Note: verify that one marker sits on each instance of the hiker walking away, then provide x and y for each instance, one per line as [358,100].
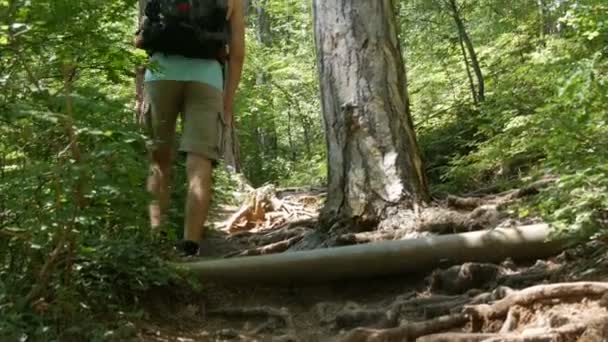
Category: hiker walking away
[190,41]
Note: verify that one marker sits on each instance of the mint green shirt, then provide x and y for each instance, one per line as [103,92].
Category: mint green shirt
[178,68]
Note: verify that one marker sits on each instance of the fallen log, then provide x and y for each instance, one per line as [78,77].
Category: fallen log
[382,258]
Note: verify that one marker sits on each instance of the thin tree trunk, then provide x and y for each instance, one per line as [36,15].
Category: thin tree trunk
[462,32]
[468,69]
[373,156]
[268,136]
[231,149]
[139,75]
[73,146]
[542,18]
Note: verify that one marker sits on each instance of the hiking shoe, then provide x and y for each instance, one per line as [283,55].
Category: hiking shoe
[187,248]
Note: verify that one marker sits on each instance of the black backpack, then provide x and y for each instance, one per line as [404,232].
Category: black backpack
[190,28]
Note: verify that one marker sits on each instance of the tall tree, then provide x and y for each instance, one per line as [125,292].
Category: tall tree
[466,39]
[373,155]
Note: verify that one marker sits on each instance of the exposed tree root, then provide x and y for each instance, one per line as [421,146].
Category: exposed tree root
[277,247]
[352,317]
[512,320]
[459,279]
[462,278]
[445,221]
[366,237]
[564,333]
[536,293]
[408,332]
[498,200]
[509,304]
[263,311]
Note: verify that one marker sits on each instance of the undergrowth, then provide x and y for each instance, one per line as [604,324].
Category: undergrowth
[546,115]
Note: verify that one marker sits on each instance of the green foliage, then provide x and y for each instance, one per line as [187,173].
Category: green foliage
[578,204]
[545,111]
[75,248]
[278,119]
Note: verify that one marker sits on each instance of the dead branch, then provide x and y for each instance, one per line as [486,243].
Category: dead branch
[262,210]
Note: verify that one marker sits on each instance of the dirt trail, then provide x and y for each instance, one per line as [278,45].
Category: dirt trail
[470,302]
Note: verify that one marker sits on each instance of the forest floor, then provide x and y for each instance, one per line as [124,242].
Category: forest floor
[562,298]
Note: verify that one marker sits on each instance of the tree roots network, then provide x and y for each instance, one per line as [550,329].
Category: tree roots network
[272,220]
[467,302]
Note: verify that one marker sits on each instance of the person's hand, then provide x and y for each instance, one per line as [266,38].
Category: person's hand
[230,7]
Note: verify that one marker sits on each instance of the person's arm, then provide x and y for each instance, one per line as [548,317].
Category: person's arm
[236,57]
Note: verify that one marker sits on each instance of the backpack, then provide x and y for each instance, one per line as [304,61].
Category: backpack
[190,28]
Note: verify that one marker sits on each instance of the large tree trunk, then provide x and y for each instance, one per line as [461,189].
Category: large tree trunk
[373,155]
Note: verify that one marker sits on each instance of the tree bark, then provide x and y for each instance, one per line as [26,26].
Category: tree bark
[373,156]
[464,36]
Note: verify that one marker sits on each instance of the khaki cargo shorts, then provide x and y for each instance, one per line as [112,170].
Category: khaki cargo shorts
[203,121]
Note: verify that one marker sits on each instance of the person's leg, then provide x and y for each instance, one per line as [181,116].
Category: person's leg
[202,138]
[164,99]
[198,199]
